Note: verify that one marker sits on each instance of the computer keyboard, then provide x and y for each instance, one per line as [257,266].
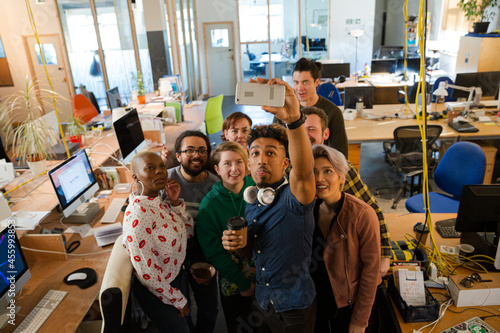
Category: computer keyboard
[41,312]
[446,228]
[113,210]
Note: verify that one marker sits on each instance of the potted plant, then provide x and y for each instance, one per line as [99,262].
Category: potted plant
[476,11]
[29,134]
[76,130]
[141,97]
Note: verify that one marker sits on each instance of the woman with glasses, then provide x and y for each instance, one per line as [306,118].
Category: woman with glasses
[346,249]
[155,234]
[224,201]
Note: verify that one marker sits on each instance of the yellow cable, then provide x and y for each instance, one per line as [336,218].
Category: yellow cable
[26,182]
[42,56]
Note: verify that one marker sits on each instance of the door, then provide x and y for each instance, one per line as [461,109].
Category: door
[56,68]
[219,43]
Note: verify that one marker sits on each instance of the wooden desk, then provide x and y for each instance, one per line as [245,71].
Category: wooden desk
[386,90]
[49,270]
[398,225]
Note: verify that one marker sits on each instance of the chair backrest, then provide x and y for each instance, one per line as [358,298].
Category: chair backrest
[213,114]
[115,288]
[409,145]
[336,97]
[325,89]
[462,164]
[449,89]
[413,92]
[83,108]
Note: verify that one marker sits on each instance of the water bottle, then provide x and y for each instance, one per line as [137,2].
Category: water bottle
[359,107]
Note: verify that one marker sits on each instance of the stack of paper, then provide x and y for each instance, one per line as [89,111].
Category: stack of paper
[107,234]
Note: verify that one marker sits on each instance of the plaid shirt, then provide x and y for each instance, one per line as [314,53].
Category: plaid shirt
[355,186]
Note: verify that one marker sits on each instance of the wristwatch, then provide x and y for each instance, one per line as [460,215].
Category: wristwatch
[297,123]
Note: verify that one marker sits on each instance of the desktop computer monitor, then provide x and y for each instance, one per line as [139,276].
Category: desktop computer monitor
[129,134]
[14,271]
[354,94]
[74,182]
[114,99]
[478,218]
[487,81]
[384,66]
[412,66]
[330,71]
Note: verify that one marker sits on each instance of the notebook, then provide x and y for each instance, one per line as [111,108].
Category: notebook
[463,127]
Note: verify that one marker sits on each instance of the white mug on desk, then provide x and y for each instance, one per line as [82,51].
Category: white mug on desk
[465,250]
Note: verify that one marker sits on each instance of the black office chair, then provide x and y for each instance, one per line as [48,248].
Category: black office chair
[412,93]
[3,153]
[407,157]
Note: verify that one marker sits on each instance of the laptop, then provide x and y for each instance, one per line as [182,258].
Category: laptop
[463,127]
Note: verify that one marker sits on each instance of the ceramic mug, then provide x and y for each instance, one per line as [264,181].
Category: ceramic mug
[465,250]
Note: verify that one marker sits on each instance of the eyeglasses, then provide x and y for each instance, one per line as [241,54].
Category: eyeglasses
[468,281]
[190,152]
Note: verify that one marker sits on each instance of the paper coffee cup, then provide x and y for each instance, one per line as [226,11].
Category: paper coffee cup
[421,232]
[239,224]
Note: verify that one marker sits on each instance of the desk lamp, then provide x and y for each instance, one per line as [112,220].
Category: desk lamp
[441,91]
[356,33]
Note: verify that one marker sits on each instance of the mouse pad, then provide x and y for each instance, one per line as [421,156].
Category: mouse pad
[90,280]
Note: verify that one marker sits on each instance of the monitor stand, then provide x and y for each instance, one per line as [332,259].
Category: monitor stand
[8,314]
[85,213]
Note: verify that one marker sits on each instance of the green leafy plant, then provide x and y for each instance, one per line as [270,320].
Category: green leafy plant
[75,127]
[140,84]
[476,10]
[19,114]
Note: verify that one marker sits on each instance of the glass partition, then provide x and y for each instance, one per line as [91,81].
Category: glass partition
[142,44]
[116,39]
[81,43]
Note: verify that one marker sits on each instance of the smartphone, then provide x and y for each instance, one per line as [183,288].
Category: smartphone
[260,94]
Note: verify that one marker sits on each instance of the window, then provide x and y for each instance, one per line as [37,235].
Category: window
[220,38]
[49,54]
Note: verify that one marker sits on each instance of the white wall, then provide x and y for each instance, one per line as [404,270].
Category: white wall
[216,11]
[14,23]
[342,45]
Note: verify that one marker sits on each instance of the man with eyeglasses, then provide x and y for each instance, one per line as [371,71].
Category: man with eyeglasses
[192,149]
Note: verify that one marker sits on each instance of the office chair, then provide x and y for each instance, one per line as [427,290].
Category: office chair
[3,153]
[330,92]
[412,94]
[462,164]
[257,67]
[213,115]
[115,291]
[408,157]
[83,108]
[449,89]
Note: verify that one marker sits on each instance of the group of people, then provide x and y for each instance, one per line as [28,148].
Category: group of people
[317,240]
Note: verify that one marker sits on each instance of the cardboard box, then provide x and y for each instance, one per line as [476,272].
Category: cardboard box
[480,294]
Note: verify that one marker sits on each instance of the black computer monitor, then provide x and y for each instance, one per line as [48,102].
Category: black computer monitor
[315,44]
[487,81]
[114,99]
[478,218]
[14,271]
[412,66]
[129,134]
[331,71]
[385,52]
[354,94]
[384,66]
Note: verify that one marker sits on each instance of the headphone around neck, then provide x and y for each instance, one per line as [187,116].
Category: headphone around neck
[265,196]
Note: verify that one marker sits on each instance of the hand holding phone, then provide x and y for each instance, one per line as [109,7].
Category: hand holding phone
[249,93]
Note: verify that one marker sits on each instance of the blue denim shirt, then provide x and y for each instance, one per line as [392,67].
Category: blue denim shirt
[281,238]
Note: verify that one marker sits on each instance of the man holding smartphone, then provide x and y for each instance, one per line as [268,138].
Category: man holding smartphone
[280,218]
[306,76]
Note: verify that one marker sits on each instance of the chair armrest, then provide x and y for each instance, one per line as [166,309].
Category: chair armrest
[117,277]
[387,145]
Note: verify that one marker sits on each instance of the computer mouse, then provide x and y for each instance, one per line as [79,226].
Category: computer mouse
[77,276]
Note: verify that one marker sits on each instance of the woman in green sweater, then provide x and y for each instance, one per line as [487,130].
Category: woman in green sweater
[225,200]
